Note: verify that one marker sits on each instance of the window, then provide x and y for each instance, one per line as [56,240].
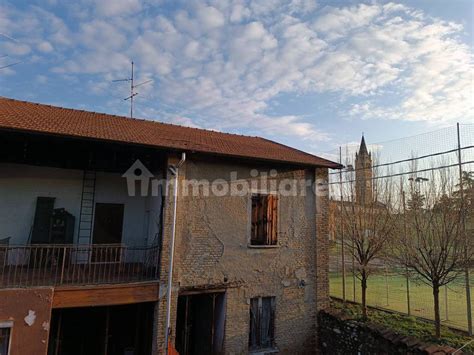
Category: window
[264,219]
[5,329]
[262,323]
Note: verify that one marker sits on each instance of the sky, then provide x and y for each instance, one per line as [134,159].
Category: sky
[309,74]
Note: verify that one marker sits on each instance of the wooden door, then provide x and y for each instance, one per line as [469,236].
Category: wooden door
[108,223]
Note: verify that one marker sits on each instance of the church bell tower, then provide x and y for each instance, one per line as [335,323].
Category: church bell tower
[363,166]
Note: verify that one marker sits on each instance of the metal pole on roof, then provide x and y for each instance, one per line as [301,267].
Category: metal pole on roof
[131,93]
[132,88]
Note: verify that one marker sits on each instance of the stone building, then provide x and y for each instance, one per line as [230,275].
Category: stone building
[87,223]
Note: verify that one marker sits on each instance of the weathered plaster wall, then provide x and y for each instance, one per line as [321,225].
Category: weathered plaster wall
[212,250]
[30,312]
[20,185]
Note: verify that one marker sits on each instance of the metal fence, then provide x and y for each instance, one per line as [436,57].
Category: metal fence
[411,165]
[75,264]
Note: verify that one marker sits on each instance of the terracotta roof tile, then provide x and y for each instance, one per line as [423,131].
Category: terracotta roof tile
[28,116]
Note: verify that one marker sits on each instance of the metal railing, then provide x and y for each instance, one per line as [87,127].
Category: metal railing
[71,264]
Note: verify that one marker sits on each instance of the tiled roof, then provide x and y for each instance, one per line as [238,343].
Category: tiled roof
[39,118]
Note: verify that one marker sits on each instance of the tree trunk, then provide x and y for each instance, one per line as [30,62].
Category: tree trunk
[436,311]
[363,284]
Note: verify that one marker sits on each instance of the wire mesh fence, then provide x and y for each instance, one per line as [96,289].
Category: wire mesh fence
[379,204]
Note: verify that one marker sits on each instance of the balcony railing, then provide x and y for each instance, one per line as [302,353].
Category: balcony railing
[71,264]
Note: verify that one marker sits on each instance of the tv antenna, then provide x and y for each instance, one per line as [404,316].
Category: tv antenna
[132,88]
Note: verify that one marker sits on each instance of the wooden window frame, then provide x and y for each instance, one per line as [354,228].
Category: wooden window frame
[256,342]
[264,222]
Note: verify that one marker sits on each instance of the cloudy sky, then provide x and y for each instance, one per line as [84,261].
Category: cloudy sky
[311,74]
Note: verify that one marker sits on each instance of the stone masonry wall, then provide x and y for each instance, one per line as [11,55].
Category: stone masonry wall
[341,335]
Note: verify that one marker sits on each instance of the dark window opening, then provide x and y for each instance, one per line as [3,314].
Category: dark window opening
[4,341]
[262,323]
[264,219]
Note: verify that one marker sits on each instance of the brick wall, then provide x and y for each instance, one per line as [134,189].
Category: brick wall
[212,251]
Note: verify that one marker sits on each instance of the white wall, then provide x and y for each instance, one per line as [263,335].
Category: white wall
[20,185]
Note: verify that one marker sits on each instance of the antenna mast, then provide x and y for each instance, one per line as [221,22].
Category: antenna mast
[132,94]
[132,88]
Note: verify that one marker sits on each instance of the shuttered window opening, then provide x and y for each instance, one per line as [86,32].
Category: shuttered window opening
[262,323]
[264,219]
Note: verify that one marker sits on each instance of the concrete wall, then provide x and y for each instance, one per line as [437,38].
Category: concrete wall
[29,311]
[212,251]
[20,185]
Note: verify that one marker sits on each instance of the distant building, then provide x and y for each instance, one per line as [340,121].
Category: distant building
[364,174]
[364,193]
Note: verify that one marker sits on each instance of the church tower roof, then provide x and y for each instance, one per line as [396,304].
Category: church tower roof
[363,147]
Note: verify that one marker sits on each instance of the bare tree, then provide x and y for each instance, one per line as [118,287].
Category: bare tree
[370,225]
[432,244]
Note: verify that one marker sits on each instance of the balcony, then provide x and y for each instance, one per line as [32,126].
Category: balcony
[74,265]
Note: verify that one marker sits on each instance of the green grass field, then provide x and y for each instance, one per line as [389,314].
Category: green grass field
[390,293]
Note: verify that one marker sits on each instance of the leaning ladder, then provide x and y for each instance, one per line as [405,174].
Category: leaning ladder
[87,207]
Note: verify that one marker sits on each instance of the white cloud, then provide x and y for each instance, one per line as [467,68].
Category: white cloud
[99,34]
[41,79]
[117,7]
[183,121]
[209,16]
[45,47]
[302,6]
[224,62]
[239,13]
[15,48]
[337,21]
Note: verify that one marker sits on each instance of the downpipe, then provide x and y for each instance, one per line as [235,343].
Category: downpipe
[174,170]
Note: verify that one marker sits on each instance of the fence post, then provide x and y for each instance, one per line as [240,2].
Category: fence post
[353,274]
[406,267]
[408,292]
[446,301]
[463,230]
[62,266]
[352,201]
[343,261]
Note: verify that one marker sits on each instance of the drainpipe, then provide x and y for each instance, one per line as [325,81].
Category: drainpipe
[174,170]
